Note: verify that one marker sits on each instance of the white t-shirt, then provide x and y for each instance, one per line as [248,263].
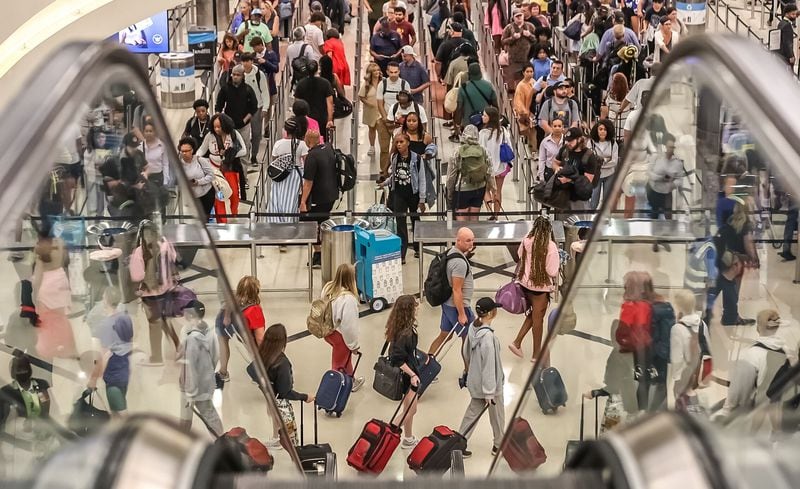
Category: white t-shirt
[387,91]
[315,39]
[400,3]
[391,114]
[634,96]
[284,147]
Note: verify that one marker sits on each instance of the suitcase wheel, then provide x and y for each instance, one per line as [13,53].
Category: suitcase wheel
[378,304]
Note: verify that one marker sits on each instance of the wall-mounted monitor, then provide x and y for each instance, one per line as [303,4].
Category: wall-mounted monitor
[151,35]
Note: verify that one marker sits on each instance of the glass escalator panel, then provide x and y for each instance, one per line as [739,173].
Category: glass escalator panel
[114,294]
[683,298]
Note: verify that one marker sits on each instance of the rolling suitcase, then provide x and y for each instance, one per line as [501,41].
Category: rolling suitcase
[316,457]
[375,445]
[572,445]
[335,389]
[550,390]
[429,366]
[432,455]
[522,451]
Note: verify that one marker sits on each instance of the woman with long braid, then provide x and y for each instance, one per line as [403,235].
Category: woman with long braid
[536,273]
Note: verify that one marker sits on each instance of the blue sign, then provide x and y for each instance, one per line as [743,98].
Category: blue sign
[151,35]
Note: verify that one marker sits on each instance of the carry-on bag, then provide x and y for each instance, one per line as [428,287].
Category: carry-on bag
[315,457]
[335,389]
[550,390]
[388,380]
[254,454]
[572,445]
[377,442]
[522,451]
[381,219]
[429,365]
[433,453]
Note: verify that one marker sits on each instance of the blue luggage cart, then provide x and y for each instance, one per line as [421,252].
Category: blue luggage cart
[379,270]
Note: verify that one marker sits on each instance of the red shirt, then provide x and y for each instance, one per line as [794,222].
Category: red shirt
[254,317]
[405,30]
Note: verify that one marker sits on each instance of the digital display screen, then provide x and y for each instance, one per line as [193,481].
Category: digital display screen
[151,35]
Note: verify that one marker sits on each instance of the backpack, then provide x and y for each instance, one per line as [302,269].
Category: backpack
[547,104]
[285,9]
[473,163]
[254,455]
[396,107]
[320,321]
[403,86]
[300,66]
[345,170]
[437,288]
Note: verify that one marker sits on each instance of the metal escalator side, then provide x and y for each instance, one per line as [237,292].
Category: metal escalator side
[707,84]
[89,93]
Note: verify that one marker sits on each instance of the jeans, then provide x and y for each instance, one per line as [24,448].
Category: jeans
[659,203]
[605,185]
[402,202]
[730,298]
[789,229]
[256,132]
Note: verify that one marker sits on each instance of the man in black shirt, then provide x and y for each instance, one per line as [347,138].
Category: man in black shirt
[318,93]
[238,101]
[197,126]
[320,189]
[576,165]
[448,47]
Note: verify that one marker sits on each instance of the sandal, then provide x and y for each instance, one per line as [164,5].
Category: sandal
[516,351]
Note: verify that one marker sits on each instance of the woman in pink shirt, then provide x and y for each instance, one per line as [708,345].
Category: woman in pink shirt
[537,272]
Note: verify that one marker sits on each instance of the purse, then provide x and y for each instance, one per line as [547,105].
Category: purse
[506,151]
[451,98]
[282,165]
[502,58]
[221,185]
[85,418]
[341,107]
[388,380]
[511,297]
[573,30]
[177,299]
[548,194]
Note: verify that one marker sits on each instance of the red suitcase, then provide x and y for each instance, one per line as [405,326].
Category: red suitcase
[376,444]
[522,451]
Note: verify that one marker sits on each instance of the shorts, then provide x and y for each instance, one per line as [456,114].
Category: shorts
[116,397]
[154,306]
[323,210]
[73,170]
[450,318]
[470,198]
[222,330]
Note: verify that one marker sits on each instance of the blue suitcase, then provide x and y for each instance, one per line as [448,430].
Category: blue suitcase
[334,390]
[428,370]
[550,390]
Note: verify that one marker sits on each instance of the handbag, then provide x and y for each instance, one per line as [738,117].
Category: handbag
[282,166]
[177,299]
[451,98]
[388,380]
[511,297]
[573,30]
[502,58]
[506,151]
[341,107]
[221,186]
[548,194]
[85,418]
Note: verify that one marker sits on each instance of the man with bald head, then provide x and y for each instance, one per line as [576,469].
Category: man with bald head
[456,311]
[320,190]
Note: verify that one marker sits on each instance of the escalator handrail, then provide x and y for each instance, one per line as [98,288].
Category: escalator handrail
[50,101]
[776,127]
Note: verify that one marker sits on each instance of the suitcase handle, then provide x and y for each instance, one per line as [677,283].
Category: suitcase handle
[358,360]
[478,418]
[302,424]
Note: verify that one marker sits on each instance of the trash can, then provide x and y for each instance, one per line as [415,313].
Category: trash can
[177,80]
[572,231]
[115,272]
[338,235]
[203,43]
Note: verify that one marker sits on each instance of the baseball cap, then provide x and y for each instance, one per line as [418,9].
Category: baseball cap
[409,50]
[198,307]
[572,134]
[456,27]
[131,140]
[485,305]
[516,11]
[257,11]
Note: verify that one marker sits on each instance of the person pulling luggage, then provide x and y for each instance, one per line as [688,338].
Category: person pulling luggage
[484,373]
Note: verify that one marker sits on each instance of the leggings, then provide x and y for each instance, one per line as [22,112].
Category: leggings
[232,178]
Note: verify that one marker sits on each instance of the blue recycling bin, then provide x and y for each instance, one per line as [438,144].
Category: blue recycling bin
[379,268]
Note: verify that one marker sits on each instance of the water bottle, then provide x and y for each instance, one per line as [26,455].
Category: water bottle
[220,196]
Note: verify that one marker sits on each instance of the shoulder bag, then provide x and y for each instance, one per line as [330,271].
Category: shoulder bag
[282,165]
[388,380]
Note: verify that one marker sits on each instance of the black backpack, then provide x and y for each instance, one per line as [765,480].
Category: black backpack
[437,289]
[345,171]
[300,66]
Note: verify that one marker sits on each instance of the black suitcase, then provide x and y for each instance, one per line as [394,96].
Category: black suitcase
[317,459]
[550,390]
[572,445]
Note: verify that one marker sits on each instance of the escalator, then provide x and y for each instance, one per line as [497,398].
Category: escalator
[706,82]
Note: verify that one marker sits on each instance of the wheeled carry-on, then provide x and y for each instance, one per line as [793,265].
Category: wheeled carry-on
[433,454]
[572,445]
[550,390]
[335,389]
[376,444]
[379,268]
[522,451]
[317,459]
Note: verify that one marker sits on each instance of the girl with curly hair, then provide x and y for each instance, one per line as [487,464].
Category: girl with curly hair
[401,333]
[536,273]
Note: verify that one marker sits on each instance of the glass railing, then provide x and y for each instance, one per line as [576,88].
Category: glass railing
[681,297]
[112,281]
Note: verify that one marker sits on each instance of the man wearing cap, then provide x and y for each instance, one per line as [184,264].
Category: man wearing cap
[517,39]
[448,47]
[484,374]
[254,27]
[575,161]
[559,106]
[786,26]
[404,106]
[385,46]
[412,71]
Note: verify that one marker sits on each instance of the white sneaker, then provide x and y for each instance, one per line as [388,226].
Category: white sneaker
[409,443]
[371,151]
[357,383]
[274,444]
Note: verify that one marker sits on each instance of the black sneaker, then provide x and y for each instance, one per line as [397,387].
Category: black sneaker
[316,260]
[494,451]
[787,256]
[741,322]
[466,453]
